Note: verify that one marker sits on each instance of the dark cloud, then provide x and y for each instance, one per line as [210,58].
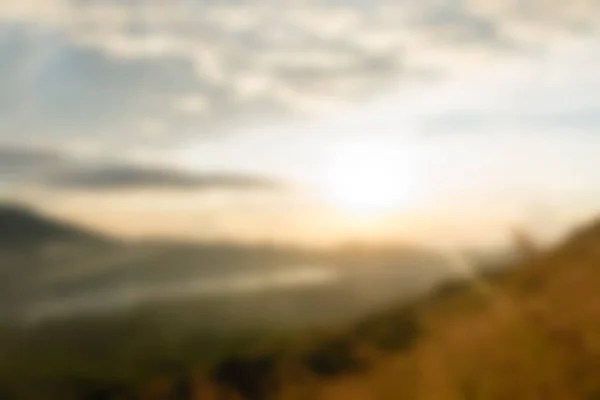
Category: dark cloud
[19,163]
[17,157]
[124,177]
[53,169]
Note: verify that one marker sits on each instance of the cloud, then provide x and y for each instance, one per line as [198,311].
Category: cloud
[52,169]
[18,163]
[128,177]
[17,157]
[54,88]
[559,95]
[100,68]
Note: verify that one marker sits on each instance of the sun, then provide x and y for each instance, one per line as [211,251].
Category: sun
[367,178]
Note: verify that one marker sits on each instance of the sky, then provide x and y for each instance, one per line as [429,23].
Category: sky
[312,121]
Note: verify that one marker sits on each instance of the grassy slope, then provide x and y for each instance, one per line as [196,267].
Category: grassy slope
[529,333]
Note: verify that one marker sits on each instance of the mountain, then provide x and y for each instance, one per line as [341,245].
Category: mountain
[50,269]
[531,331]
[22,227]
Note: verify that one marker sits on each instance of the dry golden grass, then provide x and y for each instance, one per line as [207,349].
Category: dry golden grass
[533,334]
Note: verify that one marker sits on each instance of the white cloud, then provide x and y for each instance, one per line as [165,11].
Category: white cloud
[99,66]
[53,87]
[192,104]
[49,11]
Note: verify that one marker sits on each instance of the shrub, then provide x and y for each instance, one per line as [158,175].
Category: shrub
[250,377]
[395,331]
[333,357]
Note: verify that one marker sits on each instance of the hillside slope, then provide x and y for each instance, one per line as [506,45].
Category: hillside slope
[528,332]
[532,332]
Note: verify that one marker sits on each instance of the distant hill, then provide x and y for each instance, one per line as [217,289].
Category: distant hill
[22,227]
[49,268]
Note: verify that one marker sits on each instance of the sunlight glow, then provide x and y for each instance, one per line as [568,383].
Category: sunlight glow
[368,178]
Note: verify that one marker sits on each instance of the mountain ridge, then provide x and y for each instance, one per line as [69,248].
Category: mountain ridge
[21,226]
